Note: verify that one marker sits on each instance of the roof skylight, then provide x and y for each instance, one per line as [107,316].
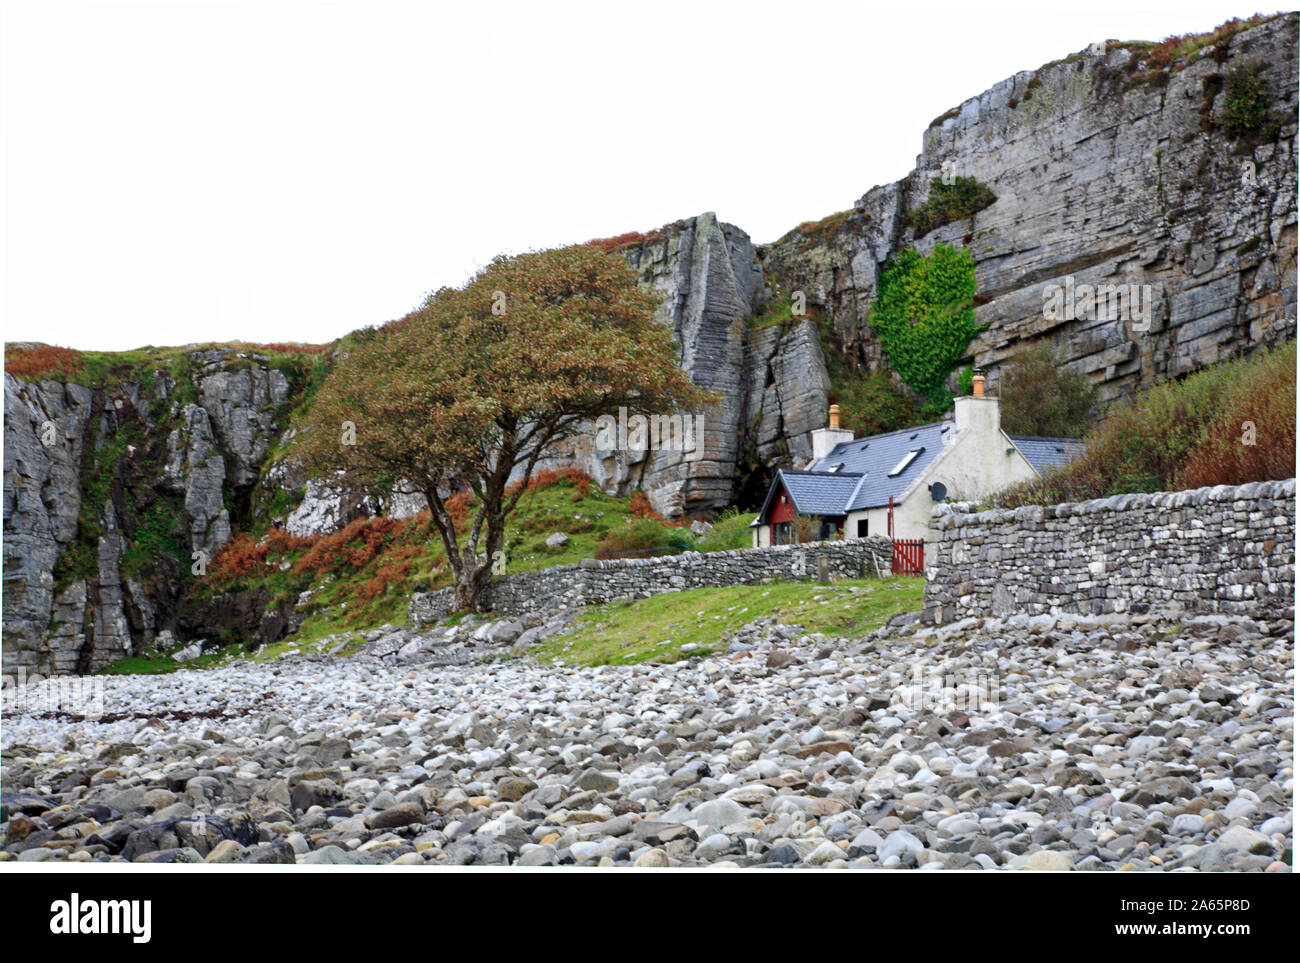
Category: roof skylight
[907,460]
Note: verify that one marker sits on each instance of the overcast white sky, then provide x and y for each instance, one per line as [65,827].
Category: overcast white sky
[290,171]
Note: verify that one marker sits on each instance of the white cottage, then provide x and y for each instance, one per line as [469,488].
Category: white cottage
[888,484]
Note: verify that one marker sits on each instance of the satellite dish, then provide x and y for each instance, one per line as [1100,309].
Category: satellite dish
[938,491]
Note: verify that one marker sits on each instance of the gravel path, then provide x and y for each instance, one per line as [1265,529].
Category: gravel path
[1140,744]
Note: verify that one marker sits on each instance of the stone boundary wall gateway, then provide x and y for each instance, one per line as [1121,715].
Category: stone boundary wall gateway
[1227,549]
[603,580]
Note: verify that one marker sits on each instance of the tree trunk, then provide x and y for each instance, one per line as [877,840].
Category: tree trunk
[472,575]
[471,580]
[470,571]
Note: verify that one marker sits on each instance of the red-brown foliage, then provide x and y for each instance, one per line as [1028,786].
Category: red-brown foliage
[1253,439]
[634,238]
[458,508]
[278,540]
[239,557]
[394,569]
[611,244]
[385,548]
[580,479]
[44,359]
[570,476]
[332,553]
[638,506]
[243,555]
[549,478]
[1175,49]
[291,347]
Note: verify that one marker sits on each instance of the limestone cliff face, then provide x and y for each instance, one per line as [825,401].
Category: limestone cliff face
[770,383]
[42,500]
[110,492]
[1104,175]
[1107,173]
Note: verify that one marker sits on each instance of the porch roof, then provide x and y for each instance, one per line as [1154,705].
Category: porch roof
[813,492]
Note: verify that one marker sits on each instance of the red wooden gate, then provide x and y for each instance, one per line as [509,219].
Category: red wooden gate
[909,556]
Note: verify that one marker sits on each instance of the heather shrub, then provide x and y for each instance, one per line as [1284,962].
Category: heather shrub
[642,538]
[1183,434]
[1253,438]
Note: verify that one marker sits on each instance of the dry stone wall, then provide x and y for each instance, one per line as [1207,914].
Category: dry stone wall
[603,580]
[1227,549]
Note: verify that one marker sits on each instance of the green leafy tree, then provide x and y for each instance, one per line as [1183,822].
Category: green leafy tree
[1041,397]
[479,383]
[924,316]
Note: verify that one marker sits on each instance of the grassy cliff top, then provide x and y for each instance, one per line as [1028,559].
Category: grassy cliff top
[33,361]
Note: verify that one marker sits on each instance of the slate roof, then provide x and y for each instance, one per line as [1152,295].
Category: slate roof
[856,474]
[875,457]
[1045,453]
[814,492]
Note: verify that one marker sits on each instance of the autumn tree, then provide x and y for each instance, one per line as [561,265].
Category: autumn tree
[479,383]
[1040,397]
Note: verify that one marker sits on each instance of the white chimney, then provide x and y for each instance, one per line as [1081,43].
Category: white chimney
[824,440]
[977,411]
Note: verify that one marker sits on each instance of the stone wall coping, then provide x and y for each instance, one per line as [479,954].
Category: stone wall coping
[691,555]
[962,514]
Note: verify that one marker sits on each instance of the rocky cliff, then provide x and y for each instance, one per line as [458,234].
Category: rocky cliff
[1122,169]
[115,495]
[771,381]
[1125,164]
[1115,166]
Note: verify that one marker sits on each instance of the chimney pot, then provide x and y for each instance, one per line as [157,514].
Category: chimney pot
[835,416]
[977,384]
